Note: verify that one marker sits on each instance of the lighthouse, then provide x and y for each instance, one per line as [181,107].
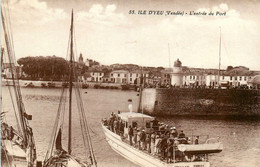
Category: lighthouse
[177,75]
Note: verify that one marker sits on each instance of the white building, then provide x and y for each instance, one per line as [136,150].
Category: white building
[134,77]
[119,76]
[194,79]
[96,75]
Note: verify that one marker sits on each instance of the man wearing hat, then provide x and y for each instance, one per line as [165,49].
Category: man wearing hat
[196,140]
[174,132]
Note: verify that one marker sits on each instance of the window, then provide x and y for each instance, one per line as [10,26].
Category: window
[230,77]
[118,75]
[240,78]
[111,75]
[125,75]
[136,75]
[235,78]
[130,79]
[93,73]
[131,75]
[245,78]
[190,77]
[100,74]
[223,77]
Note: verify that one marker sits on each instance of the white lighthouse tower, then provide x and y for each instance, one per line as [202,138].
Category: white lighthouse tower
[177,75]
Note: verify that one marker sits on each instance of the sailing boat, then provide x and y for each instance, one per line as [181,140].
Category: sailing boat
[17,144]
[56,155]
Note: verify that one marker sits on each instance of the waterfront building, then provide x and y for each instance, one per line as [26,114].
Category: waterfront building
[166,76]
[106,78]
[254,82]
[194,79]
[154,79]
[87,77]
[96,75]
[133,76]
[119,76]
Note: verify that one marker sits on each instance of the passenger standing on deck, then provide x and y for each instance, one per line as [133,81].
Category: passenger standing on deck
[182,138]
[148,142]
[175,145]
[153,135]
[174,132]
[157,144]
[138,139]
[142,139]
[196,140]
[169,150]
[135,136]
[115,126]
[181,135]
[111,122]
[131,134]
[163,146]
[122,127]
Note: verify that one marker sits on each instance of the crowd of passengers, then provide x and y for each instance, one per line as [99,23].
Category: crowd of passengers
[161,140]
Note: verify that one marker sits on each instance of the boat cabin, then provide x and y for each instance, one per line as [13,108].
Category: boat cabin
[138,120]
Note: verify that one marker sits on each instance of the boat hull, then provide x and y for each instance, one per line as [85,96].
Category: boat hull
[12,155]
[139,157]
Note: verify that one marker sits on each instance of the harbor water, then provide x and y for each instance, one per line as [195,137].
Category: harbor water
[241,138]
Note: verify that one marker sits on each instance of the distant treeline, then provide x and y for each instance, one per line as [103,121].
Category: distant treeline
[49,67]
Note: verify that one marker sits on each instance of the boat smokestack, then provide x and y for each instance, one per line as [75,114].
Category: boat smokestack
[130,105]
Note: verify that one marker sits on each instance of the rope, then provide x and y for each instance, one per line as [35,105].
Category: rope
[83,120]
[12,99]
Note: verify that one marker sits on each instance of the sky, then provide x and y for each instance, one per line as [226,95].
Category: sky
[106,32]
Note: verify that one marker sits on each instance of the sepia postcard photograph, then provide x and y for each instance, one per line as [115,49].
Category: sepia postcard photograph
[138,83]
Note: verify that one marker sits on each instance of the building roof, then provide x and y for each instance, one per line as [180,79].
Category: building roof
[167,70]
[255,80]
[126,115]
[119,71]
[239,71]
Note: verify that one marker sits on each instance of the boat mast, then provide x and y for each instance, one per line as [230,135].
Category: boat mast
[140,92]
[219,57]
[70,81]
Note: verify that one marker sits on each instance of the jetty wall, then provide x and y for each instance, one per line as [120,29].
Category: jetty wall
[201,102]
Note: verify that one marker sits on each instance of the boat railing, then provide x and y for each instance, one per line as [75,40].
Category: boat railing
[215,140]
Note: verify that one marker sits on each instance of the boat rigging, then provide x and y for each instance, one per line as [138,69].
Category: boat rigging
[56,155]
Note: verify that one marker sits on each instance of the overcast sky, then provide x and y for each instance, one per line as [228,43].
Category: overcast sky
[107,33]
